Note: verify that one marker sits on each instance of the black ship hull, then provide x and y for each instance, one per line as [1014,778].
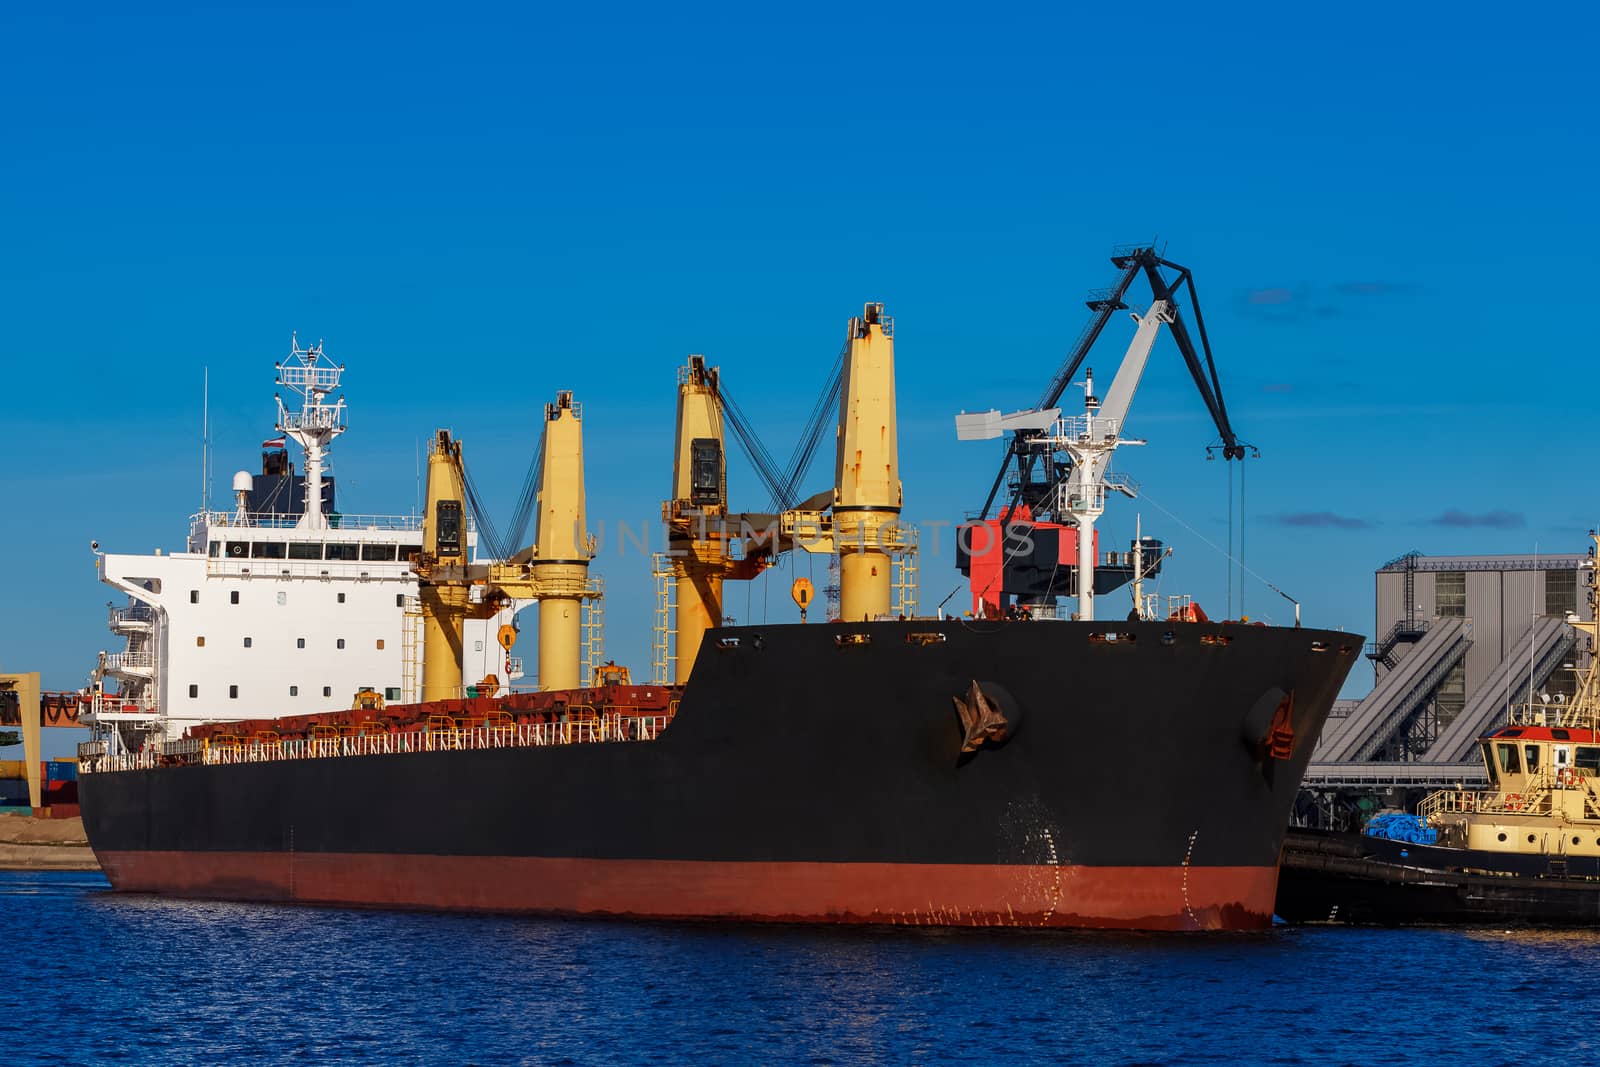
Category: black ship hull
[1350,878]
[811,773]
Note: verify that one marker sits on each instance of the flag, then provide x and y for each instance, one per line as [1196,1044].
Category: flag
[276,442]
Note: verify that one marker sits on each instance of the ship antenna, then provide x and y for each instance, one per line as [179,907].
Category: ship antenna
[312,376]
[205,440]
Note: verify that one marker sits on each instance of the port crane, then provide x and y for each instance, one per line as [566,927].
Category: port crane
[1058,466]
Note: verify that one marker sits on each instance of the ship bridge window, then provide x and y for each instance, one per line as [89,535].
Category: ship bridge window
[1587,759]
[238,549]
[1560,734]
[305,550]
[1488,761]
[214,549]
[1531,754]
[268,549]
[407,551]
[1508,759]
[378,553]
[335,550]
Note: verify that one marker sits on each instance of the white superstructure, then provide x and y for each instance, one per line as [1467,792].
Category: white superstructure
[269,613]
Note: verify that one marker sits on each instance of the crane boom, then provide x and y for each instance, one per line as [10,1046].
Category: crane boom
[1034,491]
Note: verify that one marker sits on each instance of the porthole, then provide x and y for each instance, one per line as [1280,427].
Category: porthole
[1574,839]
[1530,839]
[1502,837]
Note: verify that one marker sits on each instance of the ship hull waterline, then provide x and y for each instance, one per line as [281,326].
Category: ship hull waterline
[812,774]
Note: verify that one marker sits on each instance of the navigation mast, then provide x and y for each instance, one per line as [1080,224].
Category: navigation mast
[312,376]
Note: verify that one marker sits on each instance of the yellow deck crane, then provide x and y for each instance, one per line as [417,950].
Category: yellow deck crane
[858,519]
[864,525]
[553,571]
[700,533]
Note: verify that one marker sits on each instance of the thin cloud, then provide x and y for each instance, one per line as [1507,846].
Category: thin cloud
[1491,520]
[1282,303]
[1322,520]
[1375,288]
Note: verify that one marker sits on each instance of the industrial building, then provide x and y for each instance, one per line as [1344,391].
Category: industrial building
[1459,639]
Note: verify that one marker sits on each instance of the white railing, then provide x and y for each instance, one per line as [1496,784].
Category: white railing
[319,418]
[1086,428]
[274,520]
[135,615]
[130,661]
[612,727]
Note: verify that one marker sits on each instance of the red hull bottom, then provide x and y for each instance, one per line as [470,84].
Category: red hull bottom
[1131,898]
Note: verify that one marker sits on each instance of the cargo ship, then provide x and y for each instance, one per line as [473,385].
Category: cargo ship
[1019,765]
[1526,849]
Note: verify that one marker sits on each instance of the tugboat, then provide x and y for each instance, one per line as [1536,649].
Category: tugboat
[1524,850]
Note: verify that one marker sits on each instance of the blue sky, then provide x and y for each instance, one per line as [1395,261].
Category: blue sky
[1389,216]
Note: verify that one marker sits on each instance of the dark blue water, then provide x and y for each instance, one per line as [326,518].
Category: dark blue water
[92,977]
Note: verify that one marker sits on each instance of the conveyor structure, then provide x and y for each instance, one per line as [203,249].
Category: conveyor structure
[1398,694]
[1551,640]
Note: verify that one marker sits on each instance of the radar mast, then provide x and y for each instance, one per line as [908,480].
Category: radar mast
[312,377]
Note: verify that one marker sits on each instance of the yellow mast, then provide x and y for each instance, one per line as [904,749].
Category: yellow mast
[443,589]
[562,546]
[867,491]
[696,513]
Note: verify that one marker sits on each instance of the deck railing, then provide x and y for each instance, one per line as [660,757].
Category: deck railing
[1536,797]
[609,727]
[130,661]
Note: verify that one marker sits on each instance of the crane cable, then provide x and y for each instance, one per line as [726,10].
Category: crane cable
[487,532]
[526,499]
[765,466]
[805,448]
[783,485]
